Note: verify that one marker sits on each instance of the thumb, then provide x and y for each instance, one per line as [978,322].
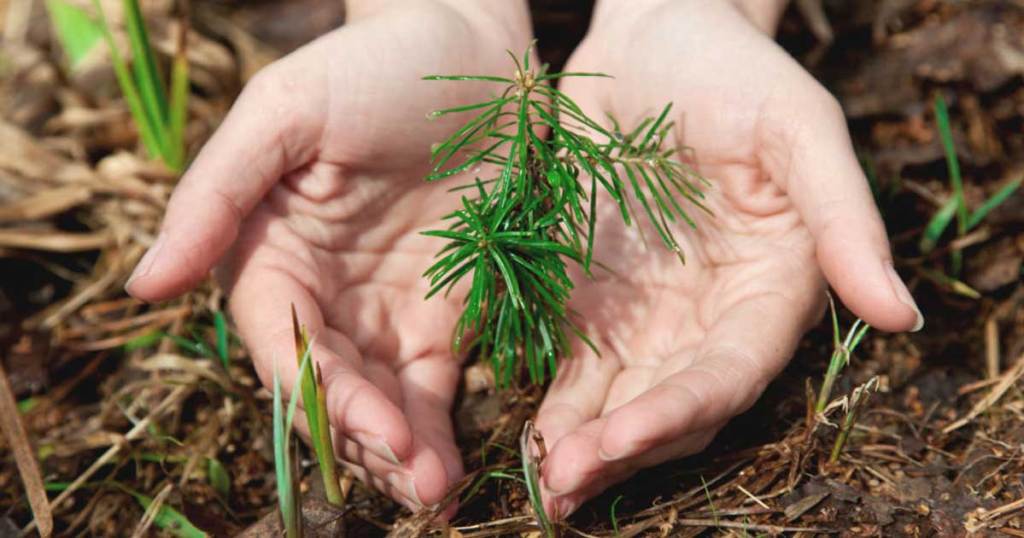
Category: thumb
[807,151]
[272,129]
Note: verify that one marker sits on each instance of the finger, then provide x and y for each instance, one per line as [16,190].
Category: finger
[807,150]
[260,303]
[573,462]
[744,349]
[577,393]
[269,131]
[428,387]
[381,484]
[414,483]
[565,491]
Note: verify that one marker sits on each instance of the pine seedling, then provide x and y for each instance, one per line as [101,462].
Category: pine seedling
[515,232]
[842,349]
[314,402]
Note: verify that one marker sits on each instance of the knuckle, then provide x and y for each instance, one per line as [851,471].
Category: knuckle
[823,103]
[267,82]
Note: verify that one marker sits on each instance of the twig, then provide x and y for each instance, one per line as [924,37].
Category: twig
[151,512]
[24,456]
[978,522]
[132,434]
[753,497]
[1006,381]
[992,347]
[770,529]
[16,20]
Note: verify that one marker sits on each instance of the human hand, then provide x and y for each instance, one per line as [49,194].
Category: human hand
[312,193]
[684,349]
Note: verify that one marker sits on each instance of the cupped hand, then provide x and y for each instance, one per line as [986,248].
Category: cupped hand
[685,348]
[311,193]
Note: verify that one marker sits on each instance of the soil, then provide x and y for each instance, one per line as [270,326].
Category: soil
[937,448]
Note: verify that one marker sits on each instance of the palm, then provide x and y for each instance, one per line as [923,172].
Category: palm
[354,259]
[654,313]
[337,205]
[353,218]
[685,348]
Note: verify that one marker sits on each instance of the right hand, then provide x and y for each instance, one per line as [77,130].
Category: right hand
[311,193]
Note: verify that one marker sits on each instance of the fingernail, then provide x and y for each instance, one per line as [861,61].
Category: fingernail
[146,263]
[377,445]
[613,456]
[903,294]
[564,508]
[406,485]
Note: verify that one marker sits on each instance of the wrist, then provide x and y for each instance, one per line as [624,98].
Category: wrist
[512,14]
[764,14]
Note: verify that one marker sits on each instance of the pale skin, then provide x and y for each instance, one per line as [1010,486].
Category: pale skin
[311,193]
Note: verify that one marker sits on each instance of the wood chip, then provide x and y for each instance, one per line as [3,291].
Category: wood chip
[799,508]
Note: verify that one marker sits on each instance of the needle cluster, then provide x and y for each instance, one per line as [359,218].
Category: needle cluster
[514,233]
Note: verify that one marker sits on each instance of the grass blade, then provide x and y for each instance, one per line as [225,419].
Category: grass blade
[325,446]
[531,473]
[286,494]
[77,32]
[168,518]
[220,326]
[129,90]
[179,101]
[937,225]
[993,202]
[314,400]
[953,163]
[219,477]
[147,77]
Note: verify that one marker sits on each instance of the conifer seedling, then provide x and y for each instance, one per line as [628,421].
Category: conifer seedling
[514,234]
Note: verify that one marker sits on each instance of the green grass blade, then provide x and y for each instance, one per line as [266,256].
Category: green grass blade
[993,202]
[130,91]
[952,163]
[314,402]
[937,225]
[282,464]
[143,341]
[77,32]
[325,446]
[307,383]
[531,474]
[219,477]
[178,109]
[613,516]
[144,65]
[168,518]
[220,326]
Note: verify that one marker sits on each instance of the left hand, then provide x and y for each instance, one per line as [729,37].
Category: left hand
[684,349]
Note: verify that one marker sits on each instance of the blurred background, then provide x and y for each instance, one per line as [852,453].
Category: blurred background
[146,420]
